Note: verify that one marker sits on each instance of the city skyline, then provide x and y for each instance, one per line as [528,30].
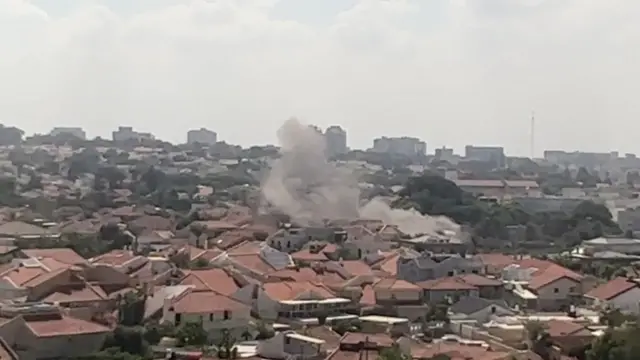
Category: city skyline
[448,72]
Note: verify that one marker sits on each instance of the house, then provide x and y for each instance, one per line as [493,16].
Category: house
[20,230]
[500,188]
[222,281]
[479,309]
[568,335]
[391,291]
[290,344]
[619,293]
[547,286]
[33,278]
[288,239]
[41,331]
[293,301]
[154,240]
[615,244]
[426,267]
[448,289]
[488,288]
[62,255]
[216,312]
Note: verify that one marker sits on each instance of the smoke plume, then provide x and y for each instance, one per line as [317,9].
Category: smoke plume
[304,185]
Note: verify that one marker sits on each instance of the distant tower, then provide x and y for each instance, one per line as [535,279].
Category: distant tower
[532,144]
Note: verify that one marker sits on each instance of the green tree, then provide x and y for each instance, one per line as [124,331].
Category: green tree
[191,333]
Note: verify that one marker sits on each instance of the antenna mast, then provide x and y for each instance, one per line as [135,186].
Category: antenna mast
[532,143]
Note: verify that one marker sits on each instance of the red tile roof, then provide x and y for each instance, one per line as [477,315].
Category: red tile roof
[550,275]
[448,283]
[217,280]
[356,267]
[289,290]
[307,255]
[205,302]
[63,255]
[64,326]
[611,289]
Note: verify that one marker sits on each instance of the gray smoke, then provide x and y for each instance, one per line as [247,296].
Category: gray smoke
[304,185]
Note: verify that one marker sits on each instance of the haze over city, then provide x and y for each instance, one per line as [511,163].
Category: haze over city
[427,69]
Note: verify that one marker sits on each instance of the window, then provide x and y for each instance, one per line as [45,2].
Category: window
[450,273]
[227,315]
[178,318]
[288,244]
[210,317]
[287,340]
[474,271]
[556,290]
[493,309]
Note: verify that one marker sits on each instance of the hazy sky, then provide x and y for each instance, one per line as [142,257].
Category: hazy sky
[452,72]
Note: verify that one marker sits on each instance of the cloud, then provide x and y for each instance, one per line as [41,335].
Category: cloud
[395,67]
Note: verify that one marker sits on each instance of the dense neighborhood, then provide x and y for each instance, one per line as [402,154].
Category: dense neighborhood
[140,249]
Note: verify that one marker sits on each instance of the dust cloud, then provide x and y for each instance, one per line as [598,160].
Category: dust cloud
[308,188]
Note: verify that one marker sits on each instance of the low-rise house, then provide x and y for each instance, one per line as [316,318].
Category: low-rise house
[543,284]
[154,240]
[290,344]
[20,230]
[567,335]
[62,255]
[394,292]
[41,331]
[216,313]
[619,293]
[293,301]
[620,245]
[33,278]
[448,289]
[479,309]
[424,267]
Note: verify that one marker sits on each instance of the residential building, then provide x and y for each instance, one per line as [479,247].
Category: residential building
[629,220]
[449,289]
[126,133]
[42,331]
[214,311]
[290,344]
[500,188]
[615,244]
[75,131]
[336,140]
[293,301]
[619,293]
[446,154]
[20,230]
[489,154]
[424,267]
[202,136]
[407,146]
[480,309]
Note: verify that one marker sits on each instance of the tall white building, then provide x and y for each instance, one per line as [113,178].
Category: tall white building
[336,139]
[202,136]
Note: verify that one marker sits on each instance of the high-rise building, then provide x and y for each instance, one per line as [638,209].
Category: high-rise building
[491,154]
[336,139]
[125,133]
[75,131]
[202,136]
[408,146]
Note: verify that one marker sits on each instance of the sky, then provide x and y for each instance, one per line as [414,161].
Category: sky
[451,72]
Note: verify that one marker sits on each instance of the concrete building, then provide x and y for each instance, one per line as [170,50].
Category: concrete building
[408,146]
[125,133]
[75,131]
[336,139]
[202,136]
[492,154]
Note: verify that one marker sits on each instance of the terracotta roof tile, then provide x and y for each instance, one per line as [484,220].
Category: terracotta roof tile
[356,267]
[395,284]
[64,326]
[289,290]
[200,302]
[550,275]
[558,328]
[380,339]
[300,274]
[252,262]
[307,255]
[368,297]
[611,289]
[63,255]
[448,283]
[114,258]
[87,293]
[217,280]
